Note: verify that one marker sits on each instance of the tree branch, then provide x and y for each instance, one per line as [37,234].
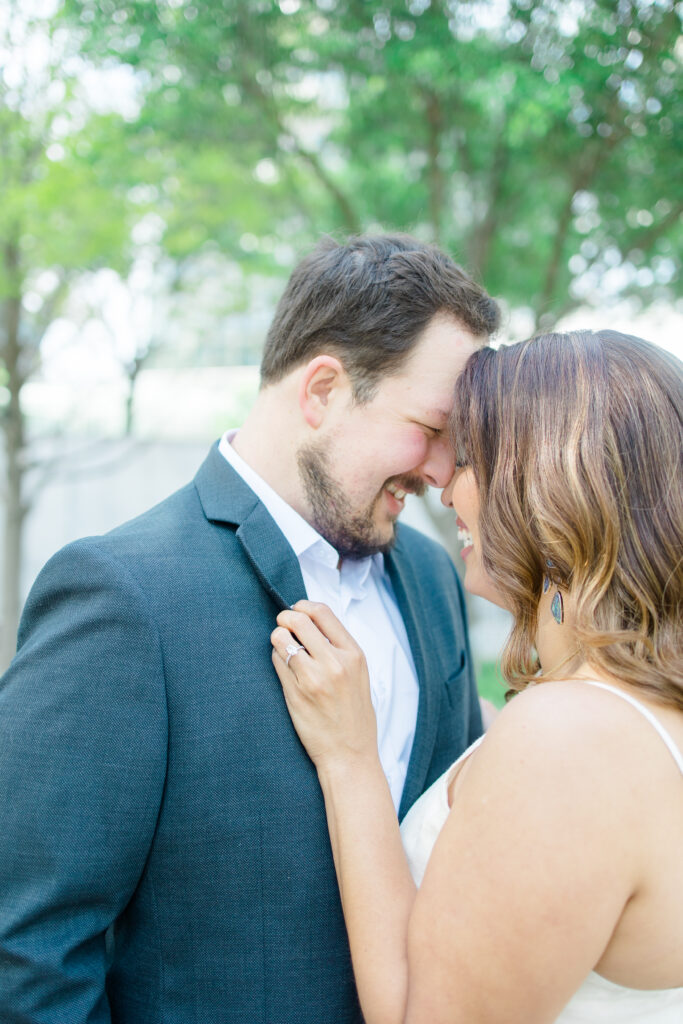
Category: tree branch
[645,239]
[437,184]
[481,239]
[273,116]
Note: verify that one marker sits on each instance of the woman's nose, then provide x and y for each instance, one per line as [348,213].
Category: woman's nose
[447,493]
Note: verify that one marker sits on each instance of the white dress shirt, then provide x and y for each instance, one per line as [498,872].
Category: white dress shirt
[360,594]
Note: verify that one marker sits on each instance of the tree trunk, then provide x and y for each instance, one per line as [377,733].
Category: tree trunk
[590,163]
[132,371]
[14,526]
[435,175]
[15,511]
[480,245]
[546,317]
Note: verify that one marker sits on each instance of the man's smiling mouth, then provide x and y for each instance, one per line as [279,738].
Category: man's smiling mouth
[396,491]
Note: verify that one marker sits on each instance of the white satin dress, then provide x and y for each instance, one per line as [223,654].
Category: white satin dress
[598,1001]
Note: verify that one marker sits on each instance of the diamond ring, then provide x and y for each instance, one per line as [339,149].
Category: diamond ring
[291,650]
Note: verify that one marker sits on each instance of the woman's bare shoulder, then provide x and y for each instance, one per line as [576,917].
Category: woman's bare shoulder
[569,728]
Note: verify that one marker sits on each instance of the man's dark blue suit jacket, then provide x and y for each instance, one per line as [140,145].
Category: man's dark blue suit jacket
[164,857]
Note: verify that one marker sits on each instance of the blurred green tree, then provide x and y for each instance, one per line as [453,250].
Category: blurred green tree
[539,147]
[61,211]
[536,141]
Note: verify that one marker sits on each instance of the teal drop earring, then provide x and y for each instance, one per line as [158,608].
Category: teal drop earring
[557,608]
[557,604]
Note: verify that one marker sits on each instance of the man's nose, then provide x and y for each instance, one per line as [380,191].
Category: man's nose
[439,466]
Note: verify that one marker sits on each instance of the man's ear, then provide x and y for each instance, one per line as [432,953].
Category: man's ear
[323,379]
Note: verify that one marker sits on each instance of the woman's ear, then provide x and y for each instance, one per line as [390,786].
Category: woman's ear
[322,379]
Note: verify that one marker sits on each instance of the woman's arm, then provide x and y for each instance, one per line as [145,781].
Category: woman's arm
[376,889]
[327,691]
[532,871]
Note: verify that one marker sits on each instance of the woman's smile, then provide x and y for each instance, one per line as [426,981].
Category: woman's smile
[465,537]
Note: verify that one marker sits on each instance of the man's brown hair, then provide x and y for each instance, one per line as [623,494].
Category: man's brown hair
[367,301]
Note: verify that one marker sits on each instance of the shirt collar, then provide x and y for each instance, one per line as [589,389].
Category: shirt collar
[355,573]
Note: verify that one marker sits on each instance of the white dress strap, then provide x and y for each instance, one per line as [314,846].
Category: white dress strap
[646,713]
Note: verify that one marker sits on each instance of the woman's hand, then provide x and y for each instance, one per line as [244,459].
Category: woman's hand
[326,685]
[327,690]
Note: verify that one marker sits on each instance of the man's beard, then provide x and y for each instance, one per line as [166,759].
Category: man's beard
[351,532]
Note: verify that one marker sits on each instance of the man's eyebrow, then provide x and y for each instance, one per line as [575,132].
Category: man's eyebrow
[438,414]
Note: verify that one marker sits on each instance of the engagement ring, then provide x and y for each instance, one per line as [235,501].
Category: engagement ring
[291,650]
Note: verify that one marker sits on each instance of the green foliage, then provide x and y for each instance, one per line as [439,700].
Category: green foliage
[62,209]
[490,683]
[539,147]
[515,144]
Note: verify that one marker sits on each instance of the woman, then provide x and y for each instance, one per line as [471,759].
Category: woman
[553,880]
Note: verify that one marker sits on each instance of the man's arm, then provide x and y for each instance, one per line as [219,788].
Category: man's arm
[83,736]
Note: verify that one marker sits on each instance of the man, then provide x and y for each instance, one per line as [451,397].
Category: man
[163,850]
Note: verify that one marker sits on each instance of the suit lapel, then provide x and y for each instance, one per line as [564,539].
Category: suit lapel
[411,604]
[226,498]
[274,562]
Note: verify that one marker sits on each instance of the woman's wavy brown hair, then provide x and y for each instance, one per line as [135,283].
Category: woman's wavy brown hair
[576,443]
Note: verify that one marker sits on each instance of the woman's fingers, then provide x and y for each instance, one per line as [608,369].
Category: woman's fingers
[323,618]
[305,630]
[286,646]
[335,657]
[327,622]
[326,688]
